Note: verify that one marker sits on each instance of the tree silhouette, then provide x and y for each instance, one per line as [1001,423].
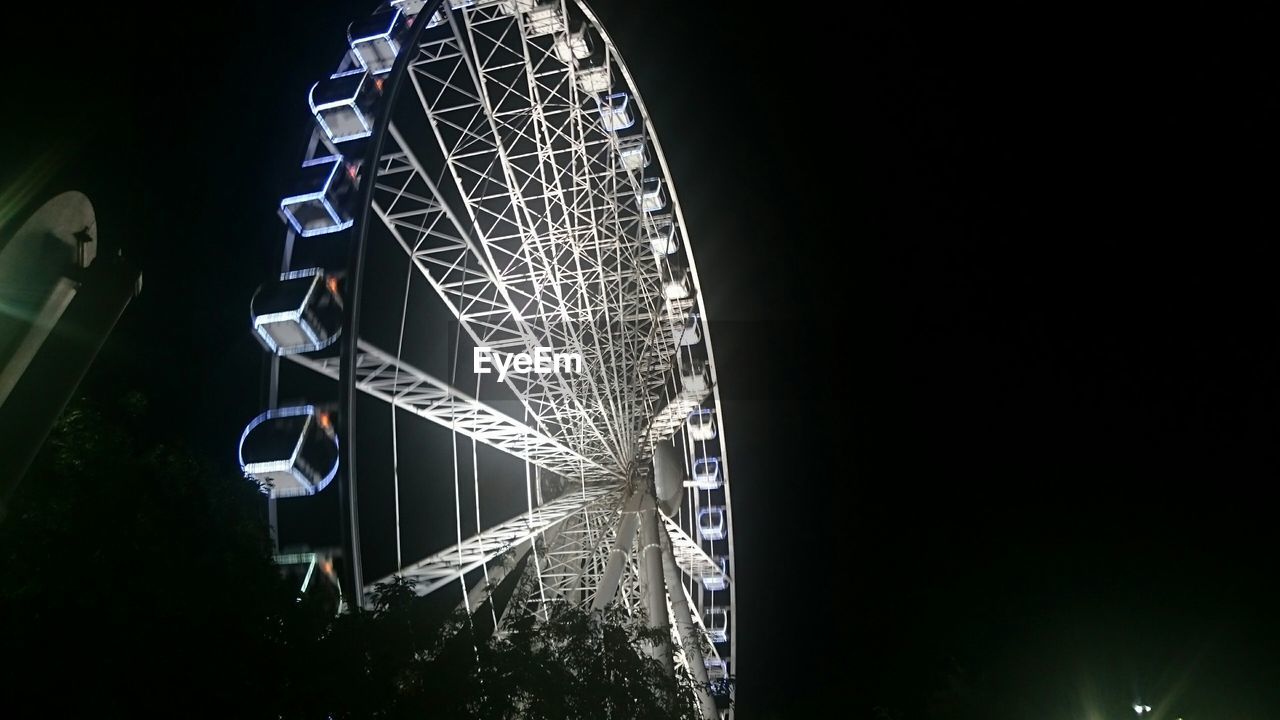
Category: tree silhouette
[137,581]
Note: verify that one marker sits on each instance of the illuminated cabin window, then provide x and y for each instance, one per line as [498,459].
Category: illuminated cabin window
[689,332]
[511,7]
[342,105]
[594,79]
[375,40]
[633,153]
[301,312]
[693,376]
[720,580]
[615,112]
[702,424]
[706,473]
[318,204]
[574,45]
[661,235]
[717,669]
[675,282]
[717,622]
[711,523]
[411,8]
[652,196]
[293,450]
[544,19]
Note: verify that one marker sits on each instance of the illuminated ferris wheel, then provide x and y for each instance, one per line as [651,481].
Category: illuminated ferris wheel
[485,245]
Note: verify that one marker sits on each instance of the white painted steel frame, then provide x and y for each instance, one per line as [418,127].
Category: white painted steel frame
[532,237]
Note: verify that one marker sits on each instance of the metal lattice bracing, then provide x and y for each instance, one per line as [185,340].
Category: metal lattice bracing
[452,563]
[395,381]
[691,558]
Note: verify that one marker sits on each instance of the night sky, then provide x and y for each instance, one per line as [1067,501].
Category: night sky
[992,297]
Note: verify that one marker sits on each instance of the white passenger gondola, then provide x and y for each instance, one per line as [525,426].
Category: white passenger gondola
[706,473]
[675,282]
[717,621]
[410,8]
[661,235]
[633,153]
[652,196]
[689,332]
[711,523]
[375,41]
[293,450]
[717,581]
[694,377]
[319,202]
[544,19]
[301,312]
[593,79]
[342,105]
[615,112]
[574,45]
[702,424]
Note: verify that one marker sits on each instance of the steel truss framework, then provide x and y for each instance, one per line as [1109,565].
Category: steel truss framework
[502,179]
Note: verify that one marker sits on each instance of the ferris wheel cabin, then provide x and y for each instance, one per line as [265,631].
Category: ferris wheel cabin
[711,523]
[342,105]
[633,153]
[652,196]
[702,424]
[375,40]
[615,112]
[594,79]
[675,282]
[717,621]
[294,450]
[575,45]
[543,19]
[720,580]
[689,332]
[318,204]
[694,377]
[706,473]
[300,312]
[661,235]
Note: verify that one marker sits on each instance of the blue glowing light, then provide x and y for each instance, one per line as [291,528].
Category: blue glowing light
[614,112]
[651,195]
[335,111]
[711,523]
[318,199]
[289,466]
[374,44]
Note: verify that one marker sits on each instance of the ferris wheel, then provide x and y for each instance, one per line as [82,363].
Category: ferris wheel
[495,339]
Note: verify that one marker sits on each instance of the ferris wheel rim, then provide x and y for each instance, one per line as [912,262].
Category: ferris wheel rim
[351,309]
[355,281]
[678,211]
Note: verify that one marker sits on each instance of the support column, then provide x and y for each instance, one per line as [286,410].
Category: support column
[626,535]
[655,589]
[690,636]
[483,588]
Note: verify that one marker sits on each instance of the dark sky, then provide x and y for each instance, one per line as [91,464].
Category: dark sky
[995,307]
